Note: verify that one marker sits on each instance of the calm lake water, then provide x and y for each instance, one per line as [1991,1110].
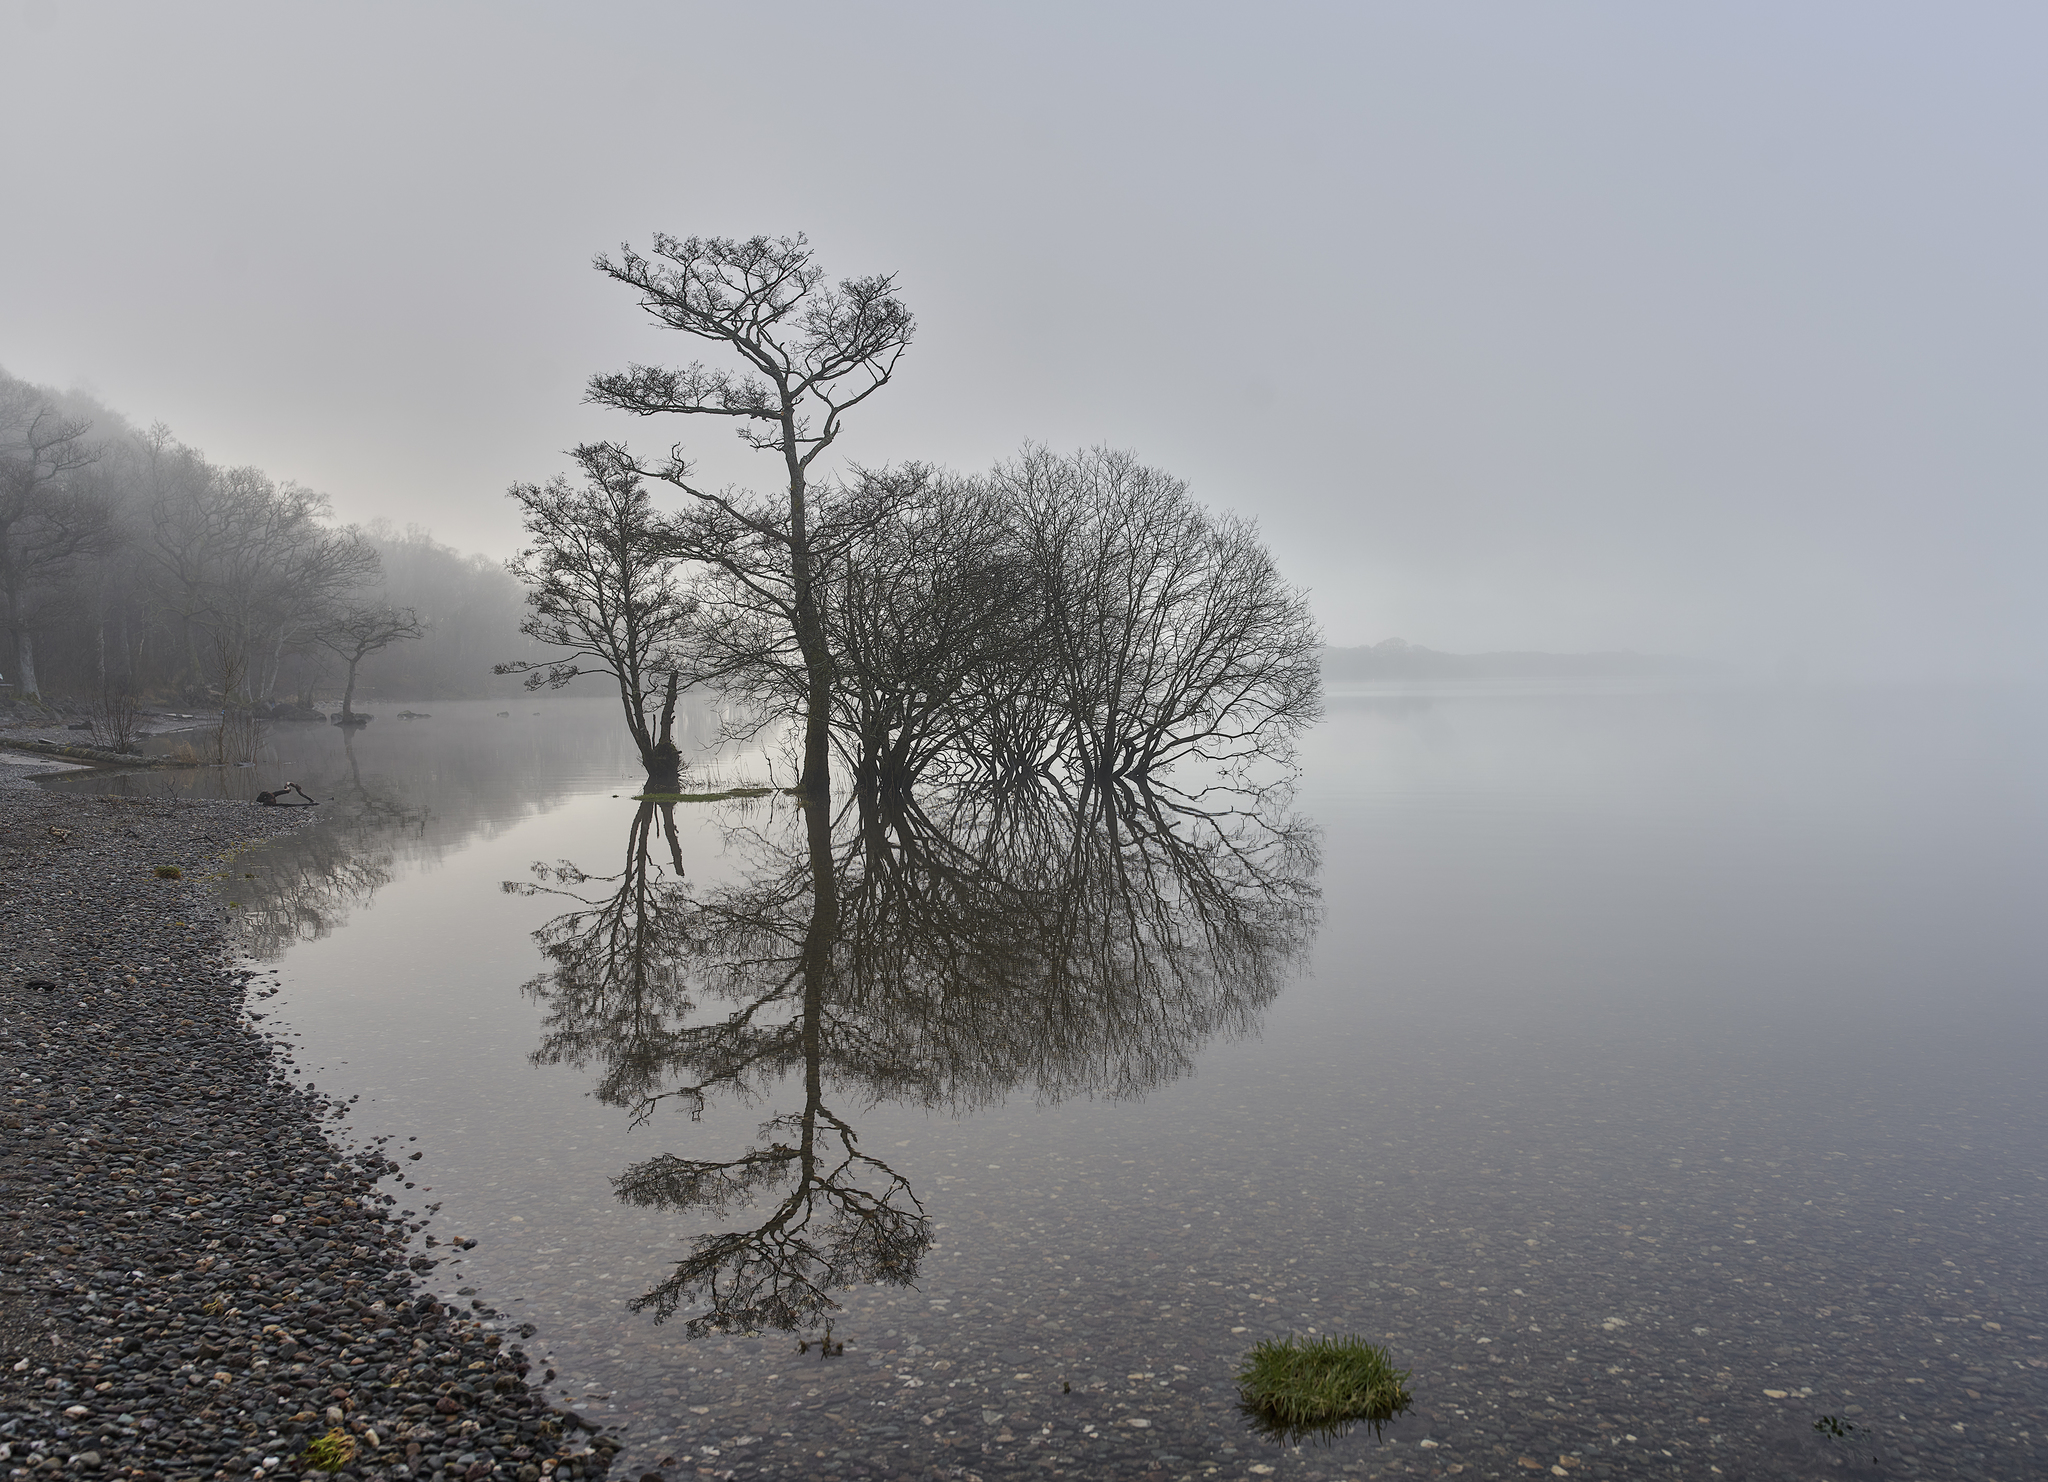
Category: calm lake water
[1653,1073]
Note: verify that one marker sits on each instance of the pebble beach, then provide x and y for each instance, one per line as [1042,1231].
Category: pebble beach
[197,1278]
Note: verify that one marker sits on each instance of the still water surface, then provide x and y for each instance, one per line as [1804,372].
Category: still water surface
[1655,1074]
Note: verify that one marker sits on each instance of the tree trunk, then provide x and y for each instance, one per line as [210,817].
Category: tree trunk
[627,672]
[269,685]
[25,666]
[811,640]
[817,778]
[24,646]
[667,740]
[348,694]
[663,761]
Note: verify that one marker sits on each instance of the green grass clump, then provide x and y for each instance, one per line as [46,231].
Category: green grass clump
[331,1452]
[169,872]
[1321,1386]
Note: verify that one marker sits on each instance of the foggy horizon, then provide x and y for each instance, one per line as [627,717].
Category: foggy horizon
[1714,335]
[1296,742]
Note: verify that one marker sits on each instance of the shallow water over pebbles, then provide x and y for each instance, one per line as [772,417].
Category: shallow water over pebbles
[1664,1077]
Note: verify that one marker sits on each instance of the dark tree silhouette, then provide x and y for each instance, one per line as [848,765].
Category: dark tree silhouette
[1167,632]
[805,353]
[934,628]
[356,633]
[601,591]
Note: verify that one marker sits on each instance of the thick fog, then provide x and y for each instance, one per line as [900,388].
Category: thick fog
[1715,331]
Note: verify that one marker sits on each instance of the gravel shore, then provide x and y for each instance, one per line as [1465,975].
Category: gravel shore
[195,1280]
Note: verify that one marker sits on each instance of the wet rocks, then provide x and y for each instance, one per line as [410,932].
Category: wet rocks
[194,1279]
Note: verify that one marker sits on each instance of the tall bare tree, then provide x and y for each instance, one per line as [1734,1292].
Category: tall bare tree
[45,523]
[802,353]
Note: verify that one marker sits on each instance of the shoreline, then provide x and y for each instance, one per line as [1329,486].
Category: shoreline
[195,1279]
[65,752]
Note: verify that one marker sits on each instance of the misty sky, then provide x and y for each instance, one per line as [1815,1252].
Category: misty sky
[1716,330]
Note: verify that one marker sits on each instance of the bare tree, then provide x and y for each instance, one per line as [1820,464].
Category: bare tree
[248,562]
[114,717]
[356,633]
[45,524]
[1167,632]
[807,353]
[601,590]
[932,619]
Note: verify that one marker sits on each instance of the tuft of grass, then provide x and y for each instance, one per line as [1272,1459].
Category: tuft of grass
[331,1452]
[169,872]
[1320,1387]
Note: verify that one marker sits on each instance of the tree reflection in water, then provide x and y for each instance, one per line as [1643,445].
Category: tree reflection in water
[312,879]
[945,952]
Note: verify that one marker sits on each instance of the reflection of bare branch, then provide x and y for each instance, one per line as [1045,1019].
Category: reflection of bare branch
[309,883]
[945,951]
[847,1218]
[311,879]
[616,979]
[1085,943]
[670,1182]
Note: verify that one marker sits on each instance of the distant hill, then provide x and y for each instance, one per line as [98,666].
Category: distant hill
[1398,659]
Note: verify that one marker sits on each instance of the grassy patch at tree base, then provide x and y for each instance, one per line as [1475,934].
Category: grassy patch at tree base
[1306,1388]
[711,797]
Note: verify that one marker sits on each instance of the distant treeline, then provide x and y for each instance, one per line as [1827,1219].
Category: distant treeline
[1396,659]
[131,564]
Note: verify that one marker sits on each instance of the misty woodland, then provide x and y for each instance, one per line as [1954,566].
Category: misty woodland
[132,567]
